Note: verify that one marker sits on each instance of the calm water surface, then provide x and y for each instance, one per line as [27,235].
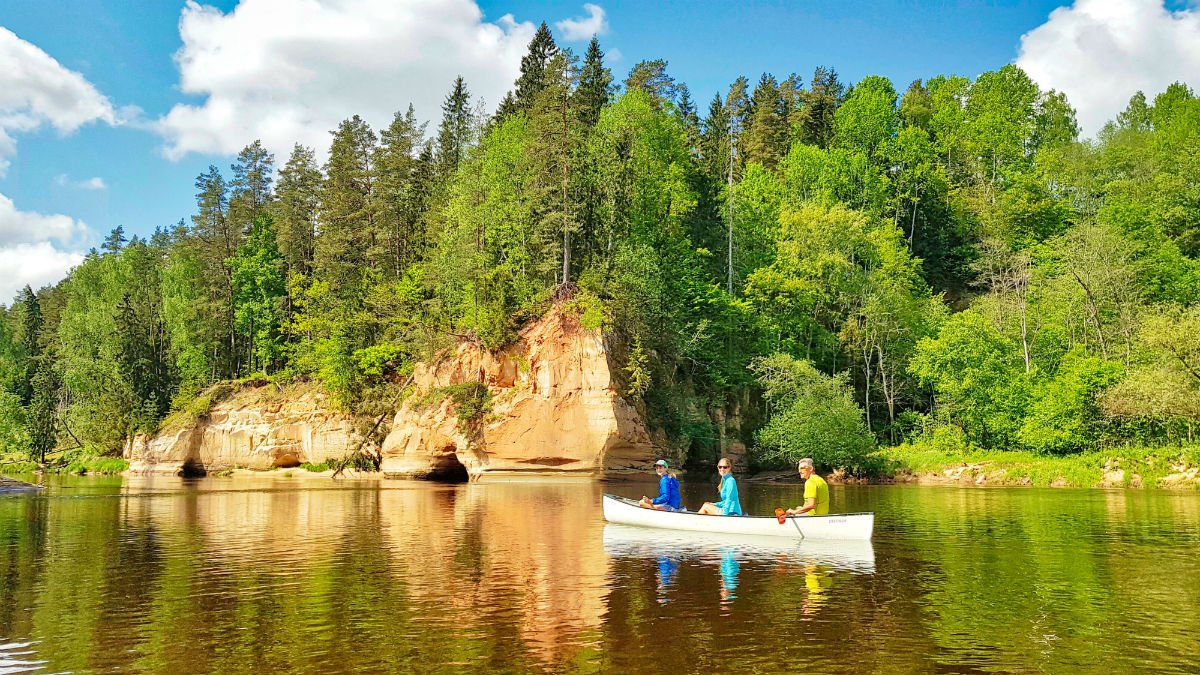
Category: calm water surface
[243,575]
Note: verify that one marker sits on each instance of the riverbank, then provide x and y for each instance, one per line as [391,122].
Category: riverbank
[1170,468]
[78,465]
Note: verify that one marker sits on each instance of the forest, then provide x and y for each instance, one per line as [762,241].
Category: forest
[808,267]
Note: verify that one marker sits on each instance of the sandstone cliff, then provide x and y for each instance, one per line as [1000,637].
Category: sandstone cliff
[549,404]
[553,407]
[255,428]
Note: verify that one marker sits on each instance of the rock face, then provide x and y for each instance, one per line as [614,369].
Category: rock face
[257,428]
[554,409]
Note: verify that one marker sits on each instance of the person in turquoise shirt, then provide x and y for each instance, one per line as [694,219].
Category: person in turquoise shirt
[729,505]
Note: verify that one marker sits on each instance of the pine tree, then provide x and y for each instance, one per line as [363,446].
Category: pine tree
[115,240]
[765,137]
[250,189]
[396,165]
[454,133]
[215,239]
[595,84]
[297,199]
[533,68]
[652,78]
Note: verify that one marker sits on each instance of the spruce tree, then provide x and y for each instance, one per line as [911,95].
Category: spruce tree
[30,313]
[556,137]
[820,103]
[595,84]
[43,412]
[348,238]
[686,112]
[533,68]
[454,133]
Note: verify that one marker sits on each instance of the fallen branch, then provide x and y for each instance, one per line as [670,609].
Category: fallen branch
[357,452]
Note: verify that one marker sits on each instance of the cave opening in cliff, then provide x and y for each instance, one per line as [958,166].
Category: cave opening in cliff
[448,469]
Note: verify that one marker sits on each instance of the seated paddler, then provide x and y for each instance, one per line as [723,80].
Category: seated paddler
[816,492]
[668,490]
[729,505]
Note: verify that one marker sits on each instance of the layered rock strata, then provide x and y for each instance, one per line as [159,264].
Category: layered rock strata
[258,428]
[554,408]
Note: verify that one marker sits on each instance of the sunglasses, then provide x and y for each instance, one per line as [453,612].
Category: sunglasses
[722,466]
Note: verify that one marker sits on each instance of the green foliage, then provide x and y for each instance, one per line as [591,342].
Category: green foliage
[1063,414]
[953,266]
[637,370]
[470,400]
[813,415]
[977,380]
[258,290]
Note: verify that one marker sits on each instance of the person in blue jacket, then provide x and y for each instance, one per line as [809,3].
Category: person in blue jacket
[729,505]
[668,490]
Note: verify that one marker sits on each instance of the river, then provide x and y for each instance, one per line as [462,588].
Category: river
[254,575]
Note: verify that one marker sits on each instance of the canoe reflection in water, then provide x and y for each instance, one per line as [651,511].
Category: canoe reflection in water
[817,560]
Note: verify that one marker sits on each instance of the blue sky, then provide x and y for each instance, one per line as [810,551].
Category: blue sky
[115,170]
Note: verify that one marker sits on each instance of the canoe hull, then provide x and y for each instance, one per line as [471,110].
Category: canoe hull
[847,526]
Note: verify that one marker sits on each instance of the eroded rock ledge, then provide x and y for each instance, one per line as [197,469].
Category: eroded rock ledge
[554,408]
[257,428]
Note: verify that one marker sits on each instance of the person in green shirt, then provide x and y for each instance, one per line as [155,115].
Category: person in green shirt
[816,492]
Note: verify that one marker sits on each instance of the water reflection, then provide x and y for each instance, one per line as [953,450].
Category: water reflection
[162,575]
[817,561]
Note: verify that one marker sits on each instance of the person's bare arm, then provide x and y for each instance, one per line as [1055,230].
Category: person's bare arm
[809,505]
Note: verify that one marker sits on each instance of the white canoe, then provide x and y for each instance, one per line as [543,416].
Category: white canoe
[853,526]
[627,541]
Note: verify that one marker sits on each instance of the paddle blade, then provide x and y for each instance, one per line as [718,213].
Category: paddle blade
[780,514]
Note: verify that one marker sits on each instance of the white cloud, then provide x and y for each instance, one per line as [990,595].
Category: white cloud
[21,227]
[93,183]
[1099,52]
[35,264]
[285,71]
[36,249]
[583,28]
[36,90]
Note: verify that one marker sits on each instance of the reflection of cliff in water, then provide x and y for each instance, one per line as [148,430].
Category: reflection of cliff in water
[525,560]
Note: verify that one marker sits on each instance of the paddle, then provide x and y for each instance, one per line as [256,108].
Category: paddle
[782,516]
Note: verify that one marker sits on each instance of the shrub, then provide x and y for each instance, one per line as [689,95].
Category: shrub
[813,415]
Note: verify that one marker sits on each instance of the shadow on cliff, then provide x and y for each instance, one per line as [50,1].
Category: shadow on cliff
[447,469]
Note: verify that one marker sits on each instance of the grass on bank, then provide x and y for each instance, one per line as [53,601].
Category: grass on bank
[1138,466]
[70,462]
